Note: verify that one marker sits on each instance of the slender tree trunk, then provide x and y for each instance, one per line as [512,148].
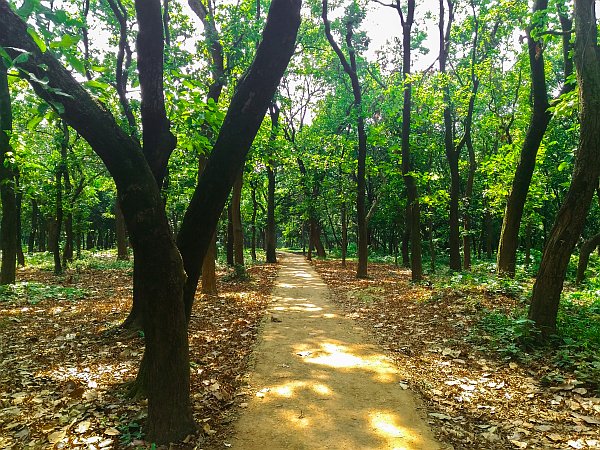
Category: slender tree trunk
[19,201]
[236,219]
[229,244]
[34,226]
[584,256]
[572,214]
[68,248]
[253,223]
[540,118]
[270,238]
[344,220]
[8,227]
[350,68]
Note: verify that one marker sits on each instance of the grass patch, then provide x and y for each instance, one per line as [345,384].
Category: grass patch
[33,293]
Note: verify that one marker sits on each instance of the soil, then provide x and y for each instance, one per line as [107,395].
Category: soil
[320,383]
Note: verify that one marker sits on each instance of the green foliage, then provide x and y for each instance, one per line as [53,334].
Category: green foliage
[33,293]
[574,348]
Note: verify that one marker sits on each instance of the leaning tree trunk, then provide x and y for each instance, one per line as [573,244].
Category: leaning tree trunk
[160,266]
[247,109]
[584,256]
[540,118]
[8,227]
[572,214]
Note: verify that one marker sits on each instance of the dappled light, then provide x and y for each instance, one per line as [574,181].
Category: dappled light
[317,384]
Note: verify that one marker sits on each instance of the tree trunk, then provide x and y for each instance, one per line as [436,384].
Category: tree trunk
[584,256]
[236,219]
[540,118]
[57,223]
[350,68]
[230,239]
[209,273]
[160,266]
[121,232]
[19,200]
[248,106]
[34,226]
[253,223]
[344,221]
[413,208]
[270,238]
[571,216]
[8,227]
[68,249]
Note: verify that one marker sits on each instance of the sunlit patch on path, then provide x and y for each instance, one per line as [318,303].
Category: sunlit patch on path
[318,383]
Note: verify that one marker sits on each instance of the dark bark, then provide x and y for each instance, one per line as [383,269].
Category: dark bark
[236,220]
[229,244]
[158,140]
[270,237]
[540,118]
[209,275]
[584,256]
[253,222]
[59,211]
[452,151]
[123,64]
[571,217]
[8,226]
[248,107]
[19,201]
[68,214]
[34,226]
[413,208]
[351,69]
[121,232]
[169,412]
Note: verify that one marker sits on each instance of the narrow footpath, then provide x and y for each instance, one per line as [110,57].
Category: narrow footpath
[318,384]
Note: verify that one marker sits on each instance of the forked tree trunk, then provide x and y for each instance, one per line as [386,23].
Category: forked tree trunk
[166,360]
[572,214]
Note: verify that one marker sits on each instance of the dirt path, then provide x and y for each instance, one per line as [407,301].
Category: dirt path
[318,384]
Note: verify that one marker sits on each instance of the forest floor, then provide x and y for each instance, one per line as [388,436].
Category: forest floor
[318,382]
[62,365]
[476,399]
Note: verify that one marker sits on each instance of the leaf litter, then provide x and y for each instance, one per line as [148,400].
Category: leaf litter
[63,364]
[475,400]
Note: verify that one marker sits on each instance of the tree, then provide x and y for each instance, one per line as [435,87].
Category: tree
[165,365]
[351,20]
[571,217]
[8,227]
[540,118]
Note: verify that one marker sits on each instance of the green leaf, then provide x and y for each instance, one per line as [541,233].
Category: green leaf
[37,39]
[34,122]
[27,8]
[97,84]
[76,63]
[23,57]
